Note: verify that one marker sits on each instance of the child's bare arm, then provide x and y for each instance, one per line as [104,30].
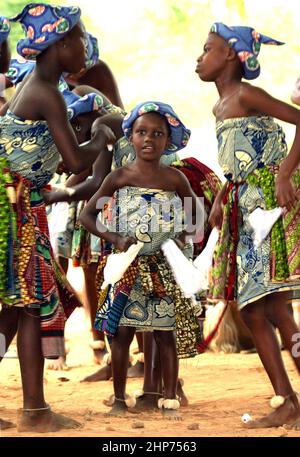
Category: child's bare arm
[82,188]
[88,216]
[260,101]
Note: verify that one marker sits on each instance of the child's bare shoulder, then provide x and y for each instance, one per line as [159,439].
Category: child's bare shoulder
[119,176]
[247,91]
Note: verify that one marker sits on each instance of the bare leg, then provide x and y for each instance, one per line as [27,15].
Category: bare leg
[166,342]
[281,315]
[120,359]
[90,304]
[8,329]
[59,363]
[36,415]
[152,380]
[256,316]
[137,370]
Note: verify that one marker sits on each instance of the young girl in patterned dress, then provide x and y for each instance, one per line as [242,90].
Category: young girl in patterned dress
[146,298]
[260,173]
[34,132]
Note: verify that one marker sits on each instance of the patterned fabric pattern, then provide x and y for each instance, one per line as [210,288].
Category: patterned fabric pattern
[248,148]
[44,25]
[246,42]
[32,274]
[32,277]
[29,148]
[148,298]
[92,50]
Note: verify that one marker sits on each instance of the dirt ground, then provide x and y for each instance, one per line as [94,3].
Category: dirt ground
[220,388]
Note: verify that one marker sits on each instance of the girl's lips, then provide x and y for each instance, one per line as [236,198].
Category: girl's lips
[148,148]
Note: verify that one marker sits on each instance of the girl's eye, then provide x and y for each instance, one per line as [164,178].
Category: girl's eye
[158,133]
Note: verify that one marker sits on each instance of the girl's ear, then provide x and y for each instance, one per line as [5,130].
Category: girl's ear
[130,139]
[231,54]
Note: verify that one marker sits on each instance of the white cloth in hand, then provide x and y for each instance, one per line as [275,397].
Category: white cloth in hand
[117,264]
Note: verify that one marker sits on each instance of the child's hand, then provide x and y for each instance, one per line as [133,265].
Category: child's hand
[47,196]
[182,240]
[285,193]
[103,131]
[123,243]
[216,215]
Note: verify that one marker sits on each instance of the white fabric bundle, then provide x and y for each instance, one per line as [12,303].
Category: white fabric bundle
[191,276]
[204,260]
[57,221]
[117,264]
[262,222]
[186,274]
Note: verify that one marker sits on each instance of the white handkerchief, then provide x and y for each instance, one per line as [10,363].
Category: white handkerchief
[262,222]
[117,264]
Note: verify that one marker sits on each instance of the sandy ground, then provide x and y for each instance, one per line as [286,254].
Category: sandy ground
[220,388]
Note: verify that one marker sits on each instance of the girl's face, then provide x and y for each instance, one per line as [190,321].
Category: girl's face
[213,59]
[73,49]
[150,136]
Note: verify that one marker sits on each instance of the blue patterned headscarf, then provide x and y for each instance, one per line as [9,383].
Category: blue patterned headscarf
[19,68]
[77,105]
[44,25]
[180,135]
[4,28]
[92,50]
[246,42]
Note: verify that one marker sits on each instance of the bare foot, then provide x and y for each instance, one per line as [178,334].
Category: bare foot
[57,364]
[44,421]
[182,397]
[146,402]
[103,374]
[293,426]
[118,409]
[288,413]
[136,371]
[171,414]
[5,424]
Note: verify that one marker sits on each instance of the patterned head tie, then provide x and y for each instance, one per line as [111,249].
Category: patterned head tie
[4,29]
[246,42]
[77,105]
[92,50]
[180,135]
[19,68]
[44,25]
